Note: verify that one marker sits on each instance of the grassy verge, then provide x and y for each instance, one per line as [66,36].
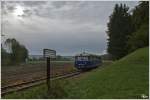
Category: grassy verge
[126,78]
[38,92]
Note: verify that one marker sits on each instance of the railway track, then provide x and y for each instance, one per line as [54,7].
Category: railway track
[24,85]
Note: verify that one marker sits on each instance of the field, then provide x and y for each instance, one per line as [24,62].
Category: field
[126,78]
[33,70]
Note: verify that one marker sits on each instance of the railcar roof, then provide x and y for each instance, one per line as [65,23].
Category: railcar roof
[86,54]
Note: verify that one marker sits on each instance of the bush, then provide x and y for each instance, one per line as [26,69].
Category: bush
[139,39]
[57,90]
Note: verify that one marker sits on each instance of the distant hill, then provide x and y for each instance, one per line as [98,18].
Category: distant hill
[38,57]
[35,56]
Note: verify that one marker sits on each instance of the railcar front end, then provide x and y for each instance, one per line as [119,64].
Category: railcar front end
[87,62]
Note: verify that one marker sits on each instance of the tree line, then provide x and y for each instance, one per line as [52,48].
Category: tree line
[128,30]
[14,53]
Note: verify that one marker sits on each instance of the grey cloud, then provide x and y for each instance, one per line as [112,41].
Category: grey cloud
[33,3]
[27,13]
[6,8]
[68,27]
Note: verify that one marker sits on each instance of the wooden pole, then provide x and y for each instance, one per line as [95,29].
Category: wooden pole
[48,73]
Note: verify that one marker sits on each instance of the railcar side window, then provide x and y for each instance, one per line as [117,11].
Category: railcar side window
[82,58]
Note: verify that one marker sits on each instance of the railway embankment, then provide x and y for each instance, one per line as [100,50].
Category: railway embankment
[126,78]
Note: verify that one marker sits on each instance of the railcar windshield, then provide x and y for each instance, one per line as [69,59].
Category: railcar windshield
[82,58]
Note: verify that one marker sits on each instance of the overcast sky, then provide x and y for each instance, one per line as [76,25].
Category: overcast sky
[67,27]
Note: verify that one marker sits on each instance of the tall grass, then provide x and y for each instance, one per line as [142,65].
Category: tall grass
[41,91]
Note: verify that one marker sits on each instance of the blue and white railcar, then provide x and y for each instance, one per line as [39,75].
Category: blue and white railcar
[87,61]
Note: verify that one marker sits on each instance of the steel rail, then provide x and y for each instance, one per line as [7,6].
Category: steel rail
[25,85]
